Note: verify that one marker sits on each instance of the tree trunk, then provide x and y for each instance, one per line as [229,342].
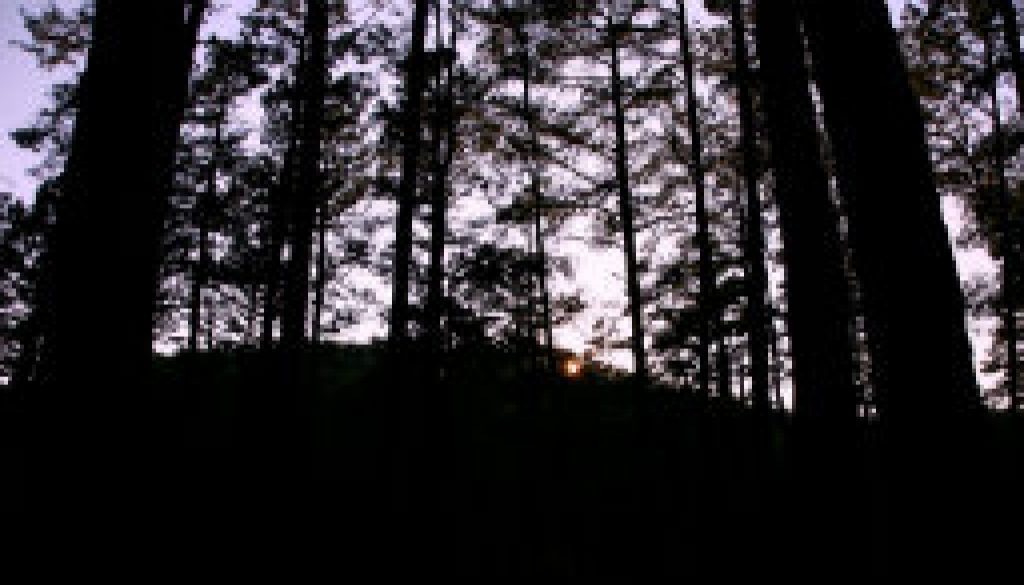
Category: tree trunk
[444,151]
[120,260]
[414,83]
[313,79]
[705,269]
[753,248]
[923,375]
[107,247]
[321,273]
[203,209]
[537,204]
[913,302]
[281,197]
[626,216]
[819,314]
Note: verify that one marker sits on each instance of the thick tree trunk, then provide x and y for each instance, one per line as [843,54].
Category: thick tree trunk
[107,267]
[753,248]
[923,375]
[107,247]
[626,216]
[820,314]
[913,302]
[705,266]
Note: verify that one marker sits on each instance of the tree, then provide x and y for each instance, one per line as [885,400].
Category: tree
[820,314]
[913,304]
[415,81]
[705,268]
[753,252]
[91,243]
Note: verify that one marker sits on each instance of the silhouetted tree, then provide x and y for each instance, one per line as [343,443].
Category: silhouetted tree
[819,316]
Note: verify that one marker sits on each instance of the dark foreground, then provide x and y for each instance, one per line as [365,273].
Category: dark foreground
[356,469]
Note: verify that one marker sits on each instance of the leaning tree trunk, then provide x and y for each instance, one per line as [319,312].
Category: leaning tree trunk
[820,314]
[913,305]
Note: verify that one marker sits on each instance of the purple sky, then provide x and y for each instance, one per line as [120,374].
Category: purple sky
[25,86]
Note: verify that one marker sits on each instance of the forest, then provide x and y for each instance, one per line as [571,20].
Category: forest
[628,289]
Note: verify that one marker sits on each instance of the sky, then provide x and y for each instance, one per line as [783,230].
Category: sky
[25,86]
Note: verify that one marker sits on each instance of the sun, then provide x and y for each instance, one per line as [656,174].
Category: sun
[572,367]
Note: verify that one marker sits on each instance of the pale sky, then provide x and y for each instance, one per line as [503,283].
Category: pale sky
[25,86]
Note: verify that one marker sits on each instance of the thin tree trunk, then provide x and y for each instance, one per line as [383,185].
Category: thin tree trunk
[313,79]
[281,198]
[753,249]
[537,199]
[201,274]
[626,216]
[414,82]
[443,137]
[724,368]
[705,268]
[321,273]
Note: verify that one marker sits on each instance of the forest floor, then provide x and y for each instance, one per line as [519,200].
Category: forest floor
[496,473]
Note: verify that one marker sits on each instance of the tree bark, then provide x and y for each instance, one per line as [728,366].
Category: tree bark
[923,375]
[313,81]
[626,216]
[537,199]
[201,273]
[753,249]
[107,246]
[414,83]
[705,268]
[820,313]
